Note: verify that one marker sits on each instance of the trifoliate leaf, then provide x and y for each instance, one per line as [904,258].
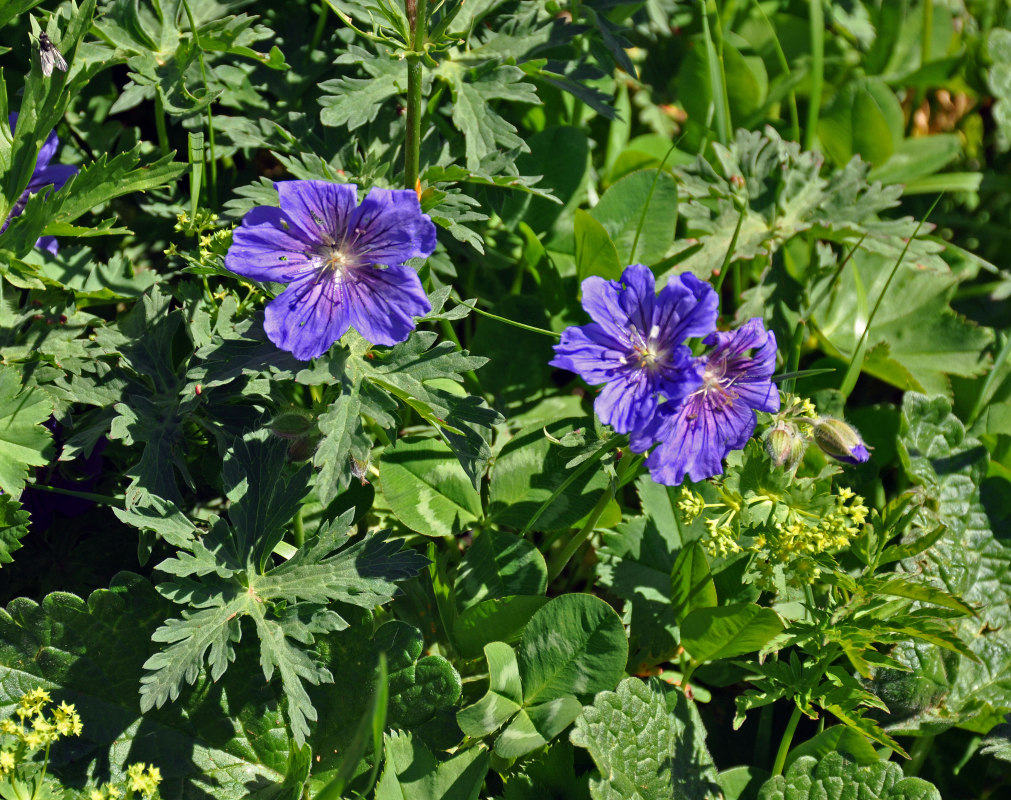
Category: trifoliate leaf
[24,441]
[837,777]
[648,743]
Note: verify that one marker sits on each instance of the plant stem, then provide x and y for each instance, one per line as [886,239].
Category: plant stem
[566,553]
[817,22]
[515,324]
[159,122]
[784,745]
[919,755]
[104,499]
[297,529]
[416,13]
[317,35]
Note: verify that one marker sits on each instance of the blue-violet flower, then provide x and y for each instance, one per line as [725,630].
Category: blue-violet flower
[43,175]
[695,436]
[635,344]
[343,263]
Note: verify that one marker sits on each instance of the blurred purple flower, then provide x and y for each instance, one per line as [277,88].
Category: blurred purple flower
[694,437]
[344,263]
[43,175]
[635,344]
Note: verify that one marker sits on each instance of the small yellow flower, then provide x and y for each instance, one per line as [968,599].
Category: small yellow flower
[7,761]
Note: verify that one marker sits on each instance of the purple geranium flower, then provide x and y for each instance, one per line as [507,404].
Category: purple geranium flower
[695,436]
[635,344]
[344,263]
[43,175]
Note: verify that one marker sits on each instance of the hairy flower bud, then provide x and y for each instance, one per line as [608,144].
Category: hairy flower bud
[292,424]
[785,445]
[840,440]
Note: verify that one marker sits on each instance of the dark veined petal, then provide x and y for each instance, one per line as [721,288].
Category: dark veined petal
[627,402]
[602,301]
[591,353]
[389,228]
[690,443]
[383,303]
[320,208]
[49,244]
[267,246]
[637,297]
[686,307]
[308,317]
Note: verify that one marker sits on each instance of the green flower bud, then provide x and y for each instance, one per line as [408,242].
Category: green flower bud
[292,424]
[785,445]
[840,440]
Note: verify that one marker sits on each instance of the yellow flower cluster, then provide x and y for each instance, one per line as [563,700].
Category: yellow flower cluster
[792,545]
[32,730]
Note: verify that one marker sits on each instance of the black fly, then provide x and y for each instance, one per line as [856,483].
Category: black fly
[50,56]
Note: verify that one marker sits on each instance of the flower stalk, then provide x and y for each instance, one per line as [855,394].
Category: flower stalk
[417,13]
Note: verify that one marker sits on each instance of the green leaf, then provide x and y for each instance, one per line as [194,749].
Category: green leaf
[573,645]
[837,739]
[640,209]
[90,653]
[427,489]
[220,580]
[596,254]
[501,619]
[355,101]
[692,584]
[864,119]
[561,156]
[499,564]
[966,562]
[419,685]
[648,743]
[412,773]
[24,441]
[533,488]
[915,339]
[711,634]
[341,428]
[503,698]
[535,726]
[13,527]
[484,130]
[835,776]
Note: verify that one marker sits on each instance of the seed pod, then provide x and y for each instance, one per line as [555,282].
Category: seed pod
[840,440]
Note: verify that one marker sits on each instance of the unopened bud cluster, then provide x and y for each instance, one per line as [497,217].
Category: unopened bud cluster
[798,424]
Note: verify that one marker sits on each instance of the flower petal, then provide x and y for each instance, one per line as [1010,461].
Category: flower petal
[389,228]
[638,297]
[56,174]
[627,402]
[308,317]
[686,307]
[320,208]
[588,351]
[47,151]
[382,303]
[689,443]
[268,246]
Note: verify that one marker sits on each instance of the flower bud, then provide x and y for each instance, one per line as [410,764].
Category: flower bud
[292,424]
[785,445]
[840,440]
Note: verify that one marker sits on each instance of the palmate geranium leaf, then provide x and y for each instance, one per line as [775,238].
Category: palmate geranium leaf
[225,577]
[648,743]
[838,777]
[90,653]
[24,441]
[968,562]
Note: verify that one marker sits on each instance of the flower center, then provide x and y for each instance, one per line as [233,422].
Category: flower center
[716,387]
[650,352]
[336,262]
